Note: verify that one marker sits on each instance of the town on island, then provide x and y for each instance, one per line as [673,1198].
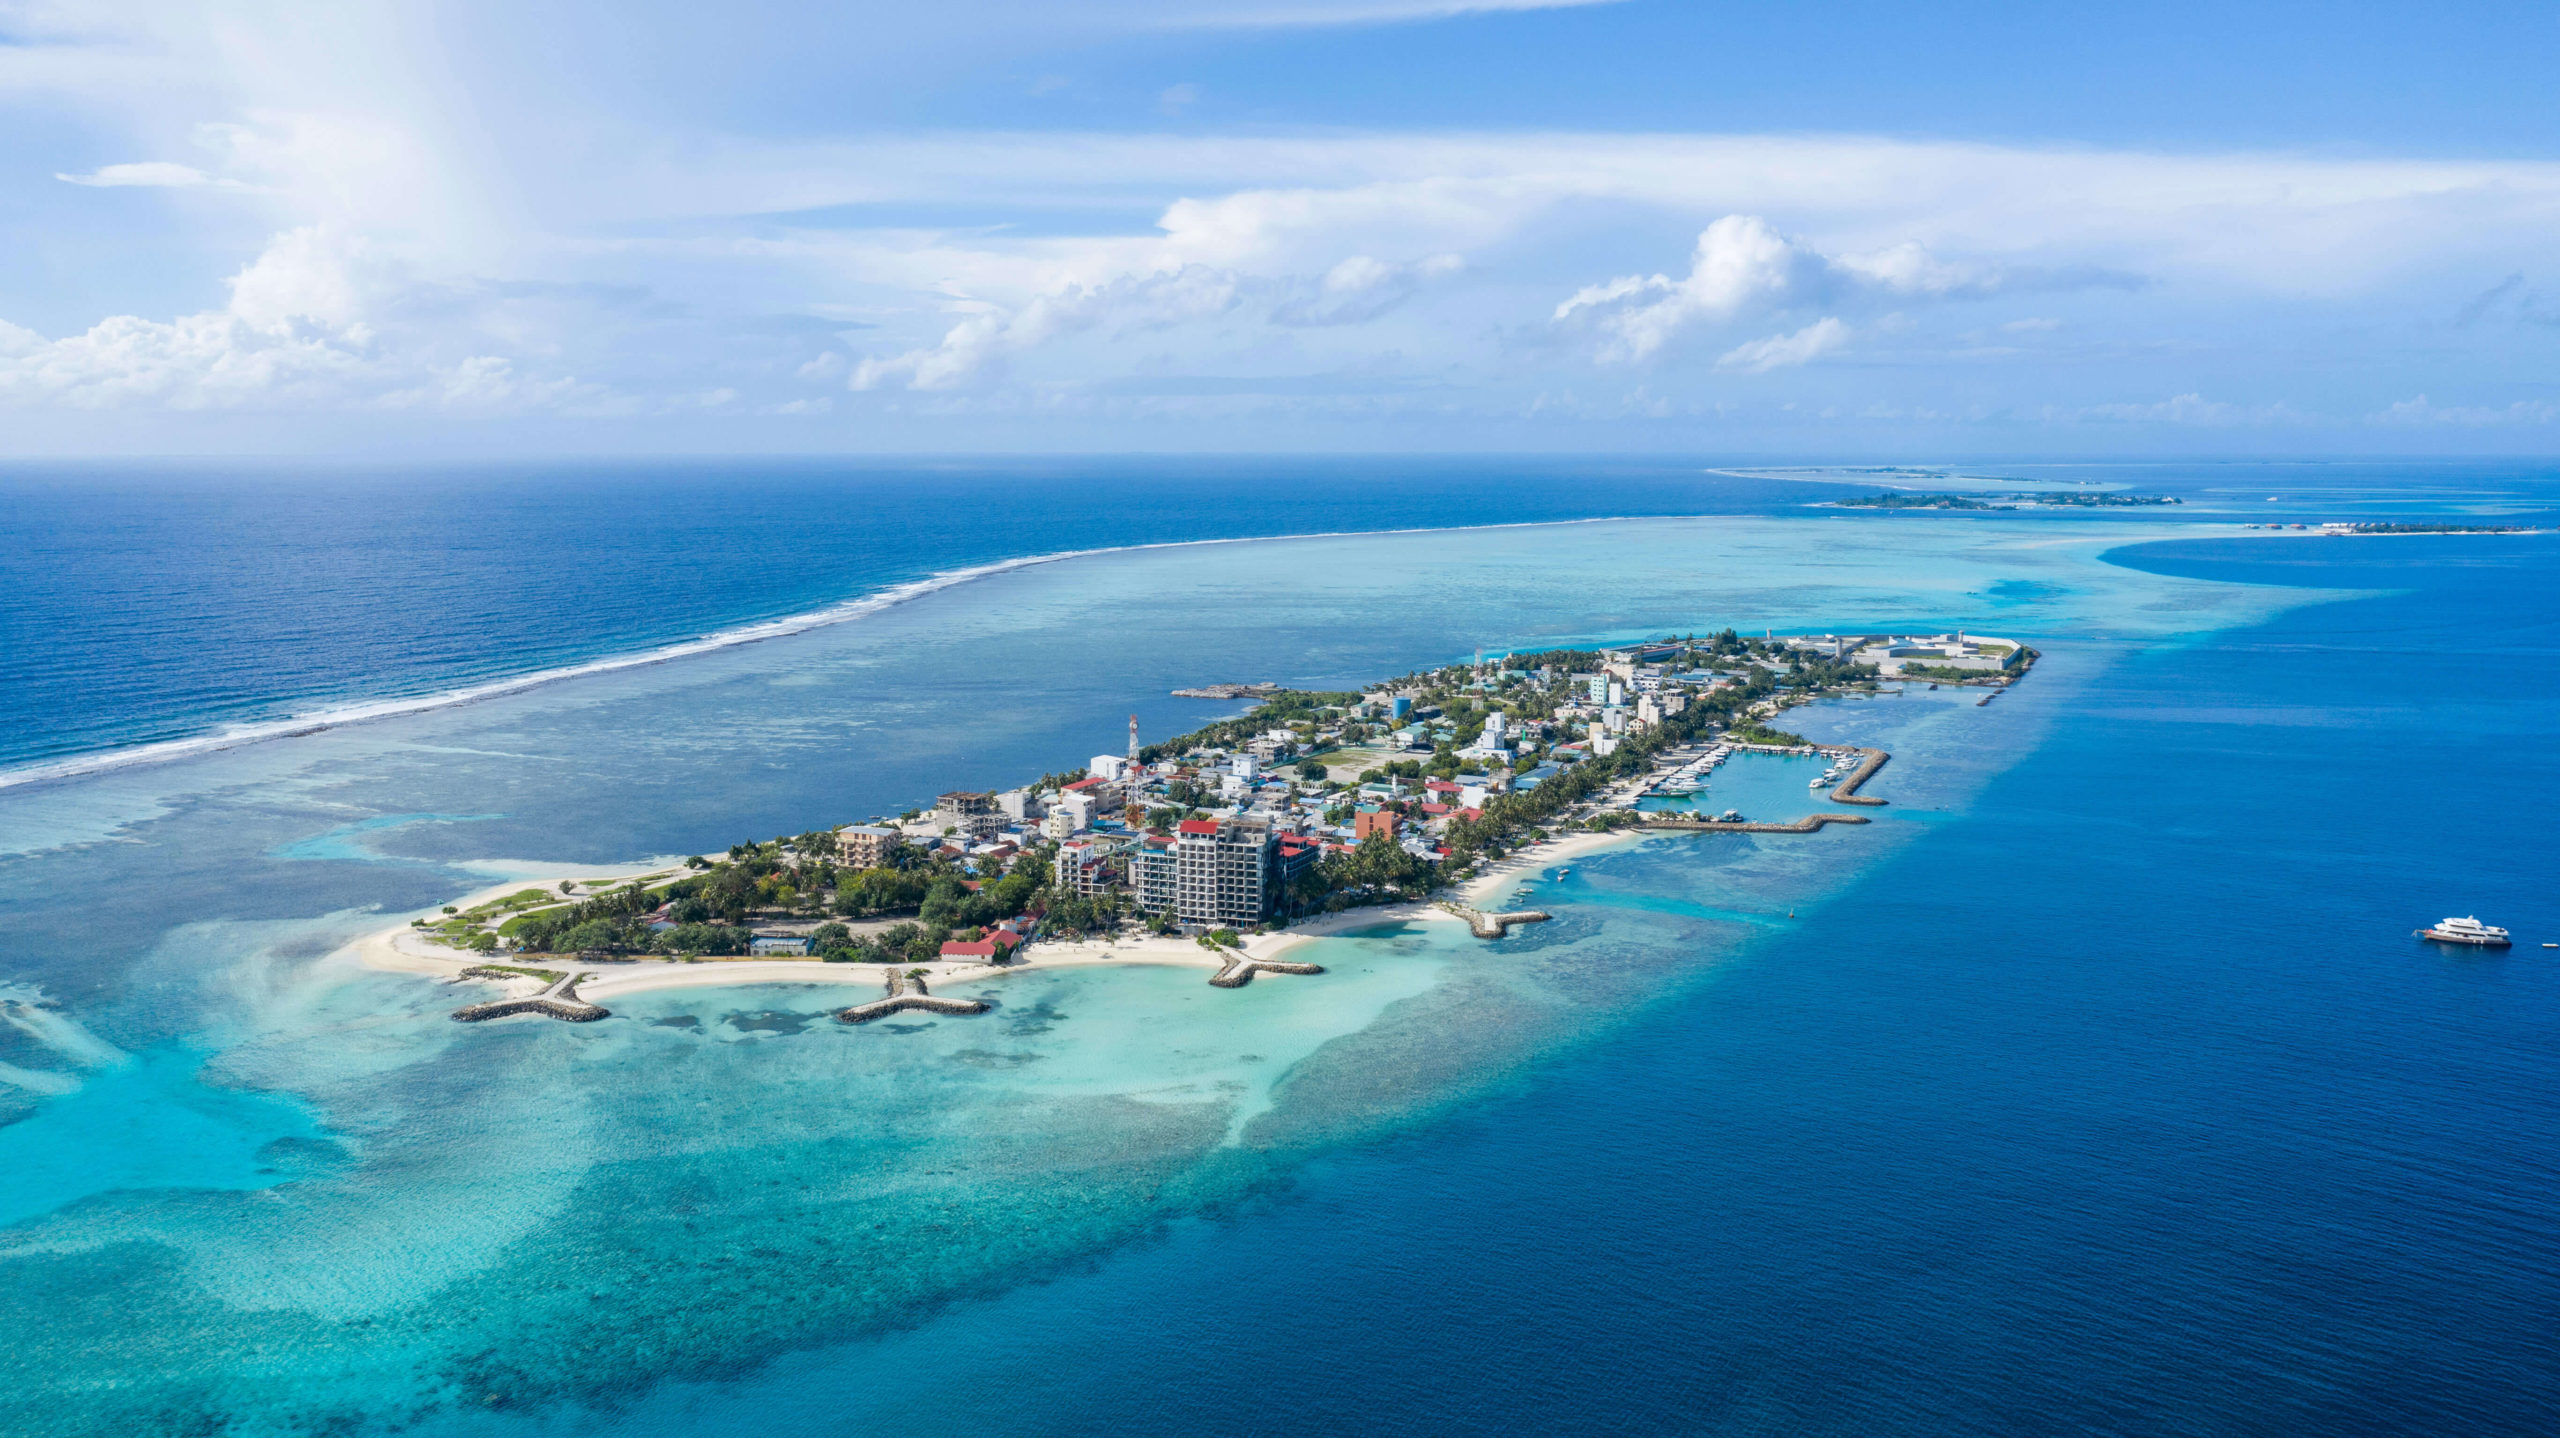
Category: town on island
[1312,813]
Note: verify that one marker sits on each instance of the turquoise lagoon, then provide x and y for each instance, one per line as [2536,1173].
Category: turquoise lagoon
[358,1216]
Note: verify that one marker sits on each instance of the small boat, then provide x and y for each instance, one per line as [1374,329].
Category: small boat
[2467,931]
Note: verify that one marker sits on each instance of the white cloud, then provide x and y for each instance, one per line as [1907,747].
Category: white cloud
[1360,289]
[1740,261]
[1357,12]
[151,174]
[1784,351]
[2192,410]
[990,334]
[2422,411]
[305,328]
[1743,267]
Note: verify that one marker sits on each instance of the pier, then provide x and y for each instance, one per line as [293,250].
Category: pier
[1805,825]
[908,995]
[1494,926]
[1239,970]
[1846,791]
[557,1001]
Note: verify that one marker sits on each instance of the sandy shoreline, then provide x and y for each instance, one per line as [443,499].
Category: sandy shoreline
[405,949]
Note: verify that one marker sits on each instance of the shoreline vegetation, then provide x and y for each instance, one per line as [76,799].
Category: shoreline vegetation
[1419,799]
[2035,499]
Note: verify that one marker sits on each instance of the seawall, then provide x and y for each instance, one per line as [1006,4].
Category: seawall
[908,995]
[1847,790]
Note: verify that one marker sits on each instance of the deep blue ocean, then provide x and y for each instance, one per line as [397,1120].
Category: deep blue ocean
[2126,1105]
[2098,1087]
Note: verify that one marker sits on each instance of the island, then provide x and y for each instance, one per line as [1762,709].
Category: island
[1312,812]
[2048,499]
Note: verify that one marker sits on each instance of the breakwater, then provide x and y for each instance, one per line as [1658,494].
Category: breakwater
[559,1000]
[1486,925]
[1751,826]
[1846,791]
[908,994]
[1239,970]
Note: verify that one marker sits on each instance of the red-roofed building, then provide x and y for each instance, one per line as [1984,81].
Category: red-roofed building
[997,941]
[1208,827]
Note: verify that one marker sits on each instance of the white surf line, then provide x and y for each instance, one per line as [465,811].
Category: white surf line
[1949,480]
[318,721]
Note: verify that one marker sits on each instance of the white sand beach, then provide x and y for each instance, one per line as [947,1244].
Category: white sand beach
[406,949]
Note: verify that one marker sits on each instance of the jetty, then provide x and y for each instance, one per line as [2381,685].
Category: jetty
[1239,970]
[1262,690]
[558,1000]
[1486,925]
[1846,792]
[907,993]
[1805,825]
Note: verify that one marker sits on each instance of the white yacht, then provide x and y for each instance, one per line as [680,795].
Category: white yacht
[2467,931]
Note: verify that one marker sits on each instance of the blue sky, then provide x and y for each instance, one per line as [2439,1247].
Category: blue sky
[1871,229]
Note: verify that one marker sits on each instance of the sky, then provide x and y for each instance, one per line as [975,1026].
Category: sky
[1854,230]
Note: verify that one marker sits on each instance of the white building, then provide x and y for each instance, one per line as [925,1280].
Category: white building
[1108,767]
[1085,866]
[1018,805]
[1077,809]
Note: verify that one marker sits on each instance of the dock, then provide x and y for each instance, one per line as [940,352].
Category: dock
[1846,792]
[557,1001]
[908,995]
[1805,825]
[1239,970]
[1486,925]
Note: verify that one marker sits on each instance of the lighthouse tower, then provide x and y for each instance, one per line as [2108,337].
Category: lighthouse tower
[1133,741]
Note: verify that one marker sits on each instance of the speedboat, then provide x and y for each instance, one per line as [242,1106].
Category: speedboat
[2467,931]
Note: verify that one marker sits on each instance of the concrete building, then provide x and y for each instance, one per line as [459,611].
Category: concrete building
[1374,821]
[1077,807]
[1222,871]
[1108,767]
[1155,874]
[974,815]
[866,846]
[1019,805]
[1086,866]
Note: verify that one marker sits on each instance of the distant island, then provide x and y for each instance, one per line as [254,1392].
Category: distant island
[1311,804]
[2401,527]
[2039,499]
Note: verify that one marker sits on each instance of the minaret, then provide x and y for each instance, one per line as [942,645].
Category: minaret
[1133,741]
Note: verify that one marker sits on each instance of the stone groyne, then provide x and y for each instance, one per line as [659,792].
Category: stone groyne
[1847,790]
[1718,826]
[1239,970]
[1494,926]
[558,1001]
[908,995]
